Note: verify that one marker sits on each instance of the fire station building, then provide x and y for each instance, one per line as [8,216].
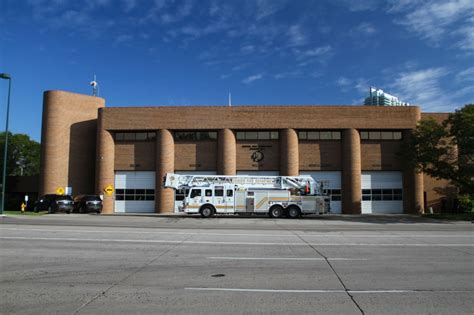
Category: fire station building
[123,153]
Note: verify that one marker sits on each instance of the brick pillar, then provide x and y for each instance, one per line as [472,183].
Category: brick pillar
[413,188]
[226,153]
[164,197]
[351,172]
[104,164]
[289,156]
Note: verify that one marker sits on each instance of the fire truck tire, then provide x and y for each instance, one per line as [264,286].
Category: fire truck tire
[293,212]
[206,211]
[276,211]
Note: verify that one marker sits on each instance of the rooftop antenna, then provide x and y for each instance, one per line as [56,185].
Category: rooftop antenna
[95,87]
[230,100]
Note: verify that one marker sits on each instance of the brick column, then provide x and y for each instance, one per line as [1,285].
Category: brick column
[105,164]
[413,188]
[289,156]
[164,197]
[226,153]
[351,172]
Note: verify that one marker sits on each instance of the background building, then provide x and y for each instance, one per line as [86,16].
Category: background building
[88,147]
[378,97]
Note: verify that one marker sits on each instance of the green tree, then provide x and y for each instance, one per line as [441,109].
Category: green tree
[445,150]
[23,154]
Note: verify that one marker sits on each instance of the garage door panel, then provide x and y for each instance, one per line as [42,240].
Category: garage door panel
[381,180]
[382,192]
[135,185]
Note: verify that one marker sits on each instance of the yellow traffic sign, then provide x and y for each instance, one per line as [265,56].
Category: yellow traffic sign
[109,190]
[60,191]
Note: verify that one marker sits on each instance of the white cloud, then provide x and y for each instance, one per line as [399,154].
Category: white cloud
[92,4]
[129,5]
[266,8]
[400,5]
[423,88]
[366,28]
[362,85]
[309,56]
[343,81]
[124,38]
[214,8]
[290,74]
[252,78]
[467,36]
[296,36]
[247,49]
[466,75]
[434,20]
[182,11]
[358,5]
[319,51]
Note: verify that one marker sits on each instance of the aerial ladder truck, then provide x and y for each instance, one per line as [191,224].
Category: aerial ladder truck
[277,196]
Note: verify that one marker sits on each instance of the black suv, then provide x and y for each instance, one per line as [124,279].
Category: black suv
[54,203]
[87,203]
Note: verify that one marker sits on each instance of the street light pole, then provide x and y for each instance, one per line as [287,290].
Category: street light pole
[5,76]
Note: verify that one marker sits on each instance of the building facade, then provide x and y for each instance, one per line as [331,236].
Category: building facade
[89,147]
[378,97]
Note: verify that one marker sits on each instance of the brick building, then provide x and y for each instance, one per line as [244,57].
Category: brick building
[87,146]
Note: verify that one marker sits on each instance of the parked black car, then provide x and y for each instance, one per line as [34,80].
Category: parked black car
[87,203]
[54,203]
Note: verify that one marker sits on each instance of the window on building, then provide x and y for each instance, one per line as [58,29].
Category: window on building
[135,136]
[319,135]
[381,194]
[335,194]
[195,135]
[135,194]
[380,135]
[257,135]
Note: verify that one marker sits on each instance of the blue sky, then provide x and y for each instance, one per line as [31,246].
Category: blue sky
[194,52]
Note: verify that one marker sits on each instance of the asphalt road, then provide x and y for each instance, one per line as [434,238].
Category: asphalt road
[86,264]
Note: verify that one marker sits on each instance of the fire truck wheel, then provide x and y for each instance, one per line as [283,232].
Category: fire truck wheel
[207,212]
[276,211]
[293,212]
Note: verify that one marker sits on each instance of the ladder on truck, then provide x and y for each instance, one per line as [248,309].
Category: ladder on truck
[179,181]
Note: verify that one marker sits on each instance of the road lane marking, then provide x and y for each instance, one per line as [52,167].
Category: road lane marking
[327,291]
[283,258]
[326,235]
[104,240]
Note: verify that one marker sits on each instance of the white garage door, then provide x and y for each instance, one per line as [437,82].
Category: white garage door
[382,192]
[333,186]
[134,192]
[180,194]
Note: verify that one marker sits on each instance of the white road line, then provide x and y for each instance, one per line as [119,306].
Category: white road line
[105,240]
[283,258]
[145,232]
[326,235]
[325,291]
